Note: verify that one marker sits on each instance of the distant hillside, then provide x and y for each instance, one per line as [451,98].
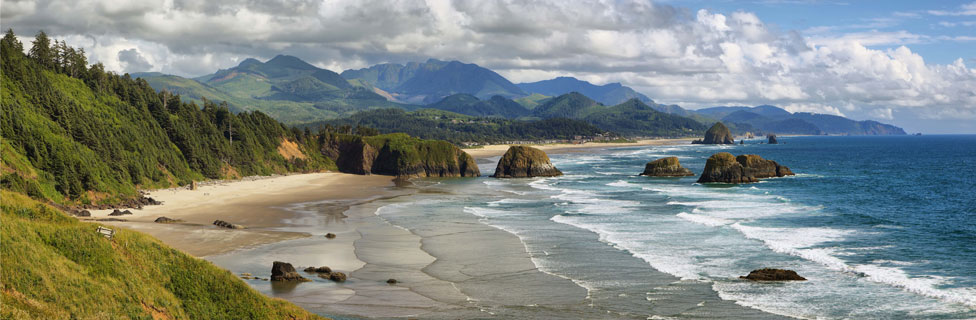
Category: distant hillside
[458,128]
[630,118]
[772,119]
[285,87]
[428,82]
[497,106]
[609,94]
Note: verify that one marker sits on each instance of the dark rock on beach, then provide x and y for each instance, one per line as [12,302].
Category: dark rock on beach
[747,168]
[666,167]
[337,277]
[167,220]
[717,134]
[330,235]
[772,139]
[525,162]
[283,271]
[322,269]
[228,225]
[769,274]
[118,212]
[391,281]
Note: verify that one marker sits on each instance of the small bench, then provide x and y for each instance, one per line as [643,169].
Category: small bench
[108,233]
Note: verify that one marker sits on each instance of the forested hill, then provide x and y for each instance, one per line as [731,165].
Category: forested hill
[74,134]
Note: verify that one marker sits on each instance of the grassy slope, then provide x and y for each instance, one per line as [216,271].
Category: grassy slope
[55,267]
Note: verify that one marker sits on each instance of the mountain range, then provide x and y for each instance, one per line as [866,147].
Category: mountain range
[294,91]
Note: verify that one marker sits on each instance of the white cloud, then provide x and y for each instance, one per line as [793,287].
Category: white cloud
[813,108]
[968,9]
[674,55]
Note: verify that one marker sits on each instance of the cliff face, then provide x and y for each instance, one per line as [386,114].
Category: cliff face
[747,168]
[398,155]
[524,162]
[666,167]
[717,134]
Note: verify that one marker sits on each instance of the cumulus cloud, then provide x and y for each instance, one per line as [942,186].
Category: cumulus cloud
[672,54]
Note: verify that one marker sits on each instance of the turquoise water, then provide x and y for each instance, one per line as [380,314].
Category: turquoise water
[883,227]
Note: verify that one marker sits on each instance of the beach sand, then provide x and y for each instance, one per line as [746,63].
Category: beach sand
[255,203]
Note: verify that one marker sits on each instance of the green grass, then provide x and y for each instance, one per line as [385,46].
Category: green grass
[55,267]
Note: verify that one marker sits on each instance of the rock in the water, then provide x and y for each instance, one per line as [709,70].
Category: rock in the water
[723,167]
[337,277]
[330,235]
[769,274]
[167,220]
[524,162]
[391,281]
[666,167]
[717,134]
[772,139]
[82,213]
[283,271]
[322,269]
[228,225]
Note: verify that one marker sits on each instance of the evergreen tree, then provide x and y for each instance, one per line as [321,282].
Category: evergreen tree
[42,52]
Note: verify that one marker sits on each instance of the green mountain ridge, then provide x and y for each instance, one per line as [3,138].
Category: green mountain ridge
[431,81]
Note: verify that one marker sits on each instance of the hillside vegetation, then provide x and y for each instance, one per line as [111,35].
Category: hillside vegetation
[85,136]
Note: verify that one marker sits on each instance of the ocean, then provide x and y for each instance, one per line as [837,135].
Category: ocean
[882,227]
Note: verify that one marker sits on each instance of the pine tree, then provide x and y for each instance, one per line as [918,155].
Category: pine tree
[42,52]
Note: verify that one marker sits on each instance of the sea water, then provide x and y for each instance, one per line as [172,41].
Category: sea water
[882,227]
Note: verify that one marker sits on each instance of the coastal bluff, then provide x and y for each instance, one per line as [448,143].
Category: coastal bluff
[397,155]
[717,134]
[724,168]
[666,167]
[525,162]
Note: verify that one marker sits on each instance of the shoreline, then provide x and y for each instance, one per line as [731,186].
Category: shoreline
[256,203]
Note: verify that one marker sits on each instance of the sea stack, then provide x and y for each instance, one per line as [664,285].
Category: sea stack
[283,271]
[725,168]
[772,139]
[717,134]
[666,167]
[525,162]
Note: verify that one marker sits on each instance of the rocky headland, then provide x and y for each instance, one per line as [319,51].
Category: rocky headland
[525,162]
[398,155]
[747,168]
[666,167]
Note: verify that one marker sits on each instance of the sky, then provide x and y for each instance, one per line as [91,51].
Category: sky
[908,63]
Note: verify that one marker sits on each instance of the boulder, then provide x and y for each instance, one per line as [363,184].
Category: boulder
[283,271]
[769,274]
[322,269]
[666,167]
[166,220]
[391,281]
[118,212]
[337,277]
[82,213]
[717,134]
[747,168]
[772,139]
[330,235]
[228,225]
[524,162]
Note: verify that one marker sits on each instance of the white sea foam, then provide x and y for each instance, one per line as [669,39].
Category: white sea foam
[705,220]
[927,286]
[623,184]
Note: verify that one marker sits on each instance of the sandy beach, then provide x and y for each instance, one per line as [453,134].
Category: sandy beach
[256,203]
[499,149]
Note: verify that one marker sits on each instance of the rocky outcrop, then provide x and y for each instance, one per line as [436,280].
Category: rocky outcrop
[283,271]
[322,269]
[228,225]
[398,155]
[717,134]
[747,168]
[166,220]
[337,277]
[666,167]
[136,203]
[524,162]
[330,235]
[391,281]
[118,212]
[769,274]
[772,139]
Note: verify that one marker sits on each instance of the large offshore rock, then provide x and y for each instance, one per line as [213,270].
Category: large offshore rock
[398,155]
[524,162]
[769,274]
[723,167]
[717,134]
[772,139]
[666,167]
[283,271]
